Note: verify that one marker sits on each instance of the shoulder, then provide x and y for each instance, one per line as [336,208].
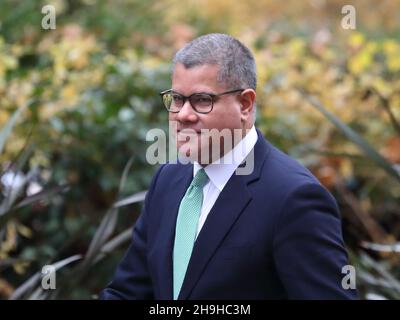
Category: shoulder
[287,180]
[282,168]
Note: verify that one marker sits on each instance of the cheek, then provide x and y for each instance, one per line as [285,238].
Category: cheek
[228,118]
[230,113]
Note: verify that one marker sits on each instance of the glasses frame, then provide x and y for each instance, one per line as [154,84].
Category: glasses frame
[213,96]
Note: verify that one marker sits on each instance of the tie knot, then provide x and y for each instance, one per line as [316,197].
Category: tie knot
[200,179]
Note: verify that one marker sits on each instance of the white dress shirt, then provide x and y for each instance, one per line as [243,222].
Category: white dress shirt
[220,171]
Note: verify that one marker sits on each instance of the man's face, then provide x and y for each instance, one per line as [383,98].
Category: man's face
[226,112]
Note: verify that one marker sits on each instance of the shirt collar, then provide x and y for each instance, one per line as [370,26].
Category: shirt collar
[220,171]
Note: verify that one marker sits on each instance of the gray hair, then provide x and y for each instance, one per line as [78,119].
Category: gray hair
[237,68]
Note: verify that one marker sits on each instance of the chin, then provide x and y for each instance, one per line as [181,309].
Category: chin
[187,151]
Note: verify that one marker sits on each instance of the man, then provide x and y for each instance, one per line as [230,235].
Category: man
[207,232]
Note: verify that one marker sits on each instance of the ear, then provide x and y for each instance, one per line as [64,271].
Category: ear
[247,99]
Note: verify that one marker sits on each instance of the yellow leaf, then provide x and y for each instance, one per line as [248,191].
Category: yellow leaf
[391,47]
[383,87]
[69,94]
[360,62]
[393,63]
[23,230]
[356,39]
[3,117]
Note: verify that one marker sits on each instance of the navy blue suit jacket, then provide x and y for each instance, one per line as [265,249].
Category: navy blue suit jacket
[273,234]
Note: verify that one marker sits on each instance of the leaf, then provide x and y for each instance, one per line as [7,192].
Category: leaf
[115,242]
[42,195]
[103,232]
[32,281]
[109,221]
[365,147]
[14,191]
[390,280]
[22,157]
[137,197]
[391,248]
[374,296]
[125,174]
[45,194]
[6,131]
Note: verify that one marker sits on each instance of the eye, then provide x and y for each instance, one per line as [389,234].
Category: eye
[177,98]
[202,99]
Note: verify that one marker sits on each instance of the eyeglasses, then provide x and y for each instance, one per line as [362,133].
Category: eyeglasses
[200,102]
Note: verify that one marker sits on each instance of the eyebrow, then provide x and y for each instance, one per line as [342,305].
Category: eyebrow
[201,92]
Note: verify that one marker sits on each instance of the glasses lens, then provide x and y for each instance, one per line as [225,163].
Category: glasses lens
[201,102]
[172,101]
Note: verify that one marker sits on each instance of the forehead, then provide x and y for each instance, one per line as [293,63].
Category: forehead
[202,78]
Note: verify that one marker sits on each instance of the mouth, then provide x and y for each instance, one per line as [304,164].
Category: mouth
[189,132]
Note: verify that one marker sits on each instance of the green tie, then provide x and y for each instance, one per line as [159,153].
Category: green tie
[186,226]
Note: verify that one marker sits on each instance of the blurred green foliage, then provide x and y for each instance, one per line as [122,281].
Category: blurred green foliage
[76,104]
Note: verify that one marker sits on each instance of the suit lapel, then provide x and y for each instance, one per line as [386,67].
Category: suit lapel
[177,189]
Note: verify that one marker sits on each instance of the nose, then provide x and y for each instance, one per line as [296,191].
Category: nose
[187,114]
